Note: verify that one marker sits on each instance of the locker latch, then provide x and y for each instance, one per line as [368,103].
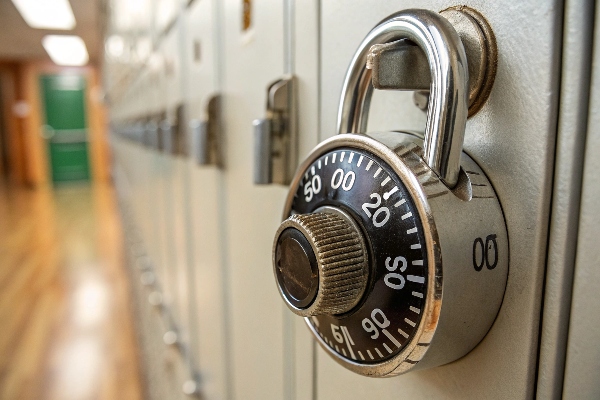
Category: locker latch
[402,65]
[206,135]
[275,136]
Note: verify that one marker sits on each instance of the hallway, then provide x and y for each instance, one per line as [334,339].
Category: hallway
[67,330]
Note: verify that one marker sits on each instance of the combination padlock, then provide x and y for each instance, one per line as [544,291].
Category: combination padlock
[393,246]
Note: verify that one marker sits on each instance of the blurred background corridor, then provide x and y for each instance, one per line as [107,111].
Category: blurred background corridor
[150,150]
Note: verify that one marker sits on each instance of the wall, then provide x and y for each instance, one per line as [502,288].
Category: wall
[14,150]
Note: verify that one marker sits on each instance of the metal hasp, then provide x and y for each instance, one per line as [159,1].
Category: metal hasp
[402,65]
[447,108]
[206,135]
[166,132]
[151,137]
[275,136]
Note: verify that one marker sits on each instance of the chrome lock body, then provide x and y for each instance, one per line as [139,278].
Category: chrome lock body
[394,247]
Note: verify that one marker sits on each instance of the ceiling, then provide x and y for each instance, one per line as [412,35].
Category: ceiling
[19,42]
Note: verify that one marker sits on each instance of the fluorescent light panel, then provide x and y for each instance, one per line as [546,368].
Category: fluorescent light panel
[46,14]
[66,49]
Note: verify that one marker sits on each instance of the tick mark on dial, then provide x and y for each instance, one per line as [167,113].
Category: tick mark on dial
[417,294]
[378,352]
[377,172]
[387,348]
[407,215]
[415,310]
[417,262]
[391,337]
[387,195]
[333,159]
[369,165]
[415,246]
[385,182]
[360,160]
[370,355]
[400,331]
[351,157]
[398,204]
[408,321]
[361,356]
[342,156]
[416,279]
[411,230]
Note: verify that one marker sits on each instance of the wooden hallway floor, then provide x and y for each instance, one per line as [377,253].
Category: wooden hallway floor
[66,329]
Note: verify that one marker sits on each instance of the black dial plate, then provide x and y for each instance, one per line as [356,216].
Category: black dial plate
[391,308]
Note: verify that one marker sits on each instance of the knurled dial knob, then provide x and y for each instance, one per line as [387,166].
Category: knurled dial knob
[320,262]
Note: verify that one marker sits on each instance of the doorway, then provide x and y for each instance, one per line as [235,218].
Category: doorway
[65,129]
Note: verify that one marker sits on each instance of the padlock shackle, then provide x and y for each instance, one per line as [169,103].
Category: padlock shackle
[448,100]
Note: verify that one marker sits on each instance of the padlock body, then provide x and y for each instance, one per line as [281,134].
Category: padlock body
[464,264]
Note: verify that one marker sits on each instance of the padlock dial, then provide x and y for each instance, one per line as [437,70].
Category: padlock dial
[388,311]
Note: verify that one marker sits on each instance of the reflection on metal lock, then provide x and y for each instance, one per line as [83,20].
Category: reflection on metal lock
[275,153]
[206,135]
[386,233]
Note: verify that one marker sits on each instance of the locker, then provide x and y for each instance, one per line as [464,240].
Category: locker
[208,306]
[255,315]
[515,331]
[208,229]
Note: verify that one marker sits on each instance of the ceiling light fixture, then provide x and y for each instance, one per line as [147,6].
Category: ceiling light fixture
[46,14]
[66,49]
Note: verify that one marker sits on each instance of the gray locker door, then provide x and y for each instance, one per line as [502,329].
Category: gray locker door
[583,352]
[512,139]
[175,184]
[262,339]
[208,304]
[253,58]
[302,59]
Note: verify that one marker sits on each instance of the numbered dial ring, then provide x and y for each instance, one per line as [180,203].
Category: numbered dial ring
[388,313]
[409,222]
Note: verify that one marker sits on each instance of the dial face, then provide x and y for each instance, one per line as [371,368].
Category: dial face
[389,313]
